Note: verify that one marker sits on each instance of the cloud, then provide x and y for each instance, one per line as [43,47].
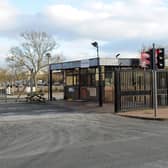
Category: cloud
[124,25]
[126,19]
[77,49]
[118,25]
[6,43]
[95,20]
[7,16]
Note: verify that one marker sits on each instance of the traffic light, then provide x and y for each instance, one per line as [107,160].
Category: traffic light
[160,58]
[147,59]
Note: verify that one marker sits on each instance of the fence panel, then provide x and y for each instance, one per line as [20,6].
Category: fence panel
[162,88]
[3,94]
[133,89]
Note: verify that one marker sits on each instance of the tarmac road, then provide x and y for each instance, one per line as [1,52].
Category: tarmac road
[59,138]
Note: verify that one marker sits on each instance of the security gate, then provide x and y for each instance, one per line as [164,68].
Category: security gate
[162,88]
[134,89]
[3,94]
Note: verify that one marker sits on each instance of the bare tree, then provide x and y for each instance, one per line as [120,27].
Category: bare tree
[4,75]
[31,54]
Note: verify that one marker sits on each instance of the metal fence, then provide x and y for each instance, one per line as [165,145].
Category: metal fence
[134,89]
[3,94]
[162,88]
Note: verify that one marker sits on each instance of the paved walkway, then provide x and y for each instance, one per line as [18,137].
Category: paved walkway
[89,107]
[161,114]
[93,107]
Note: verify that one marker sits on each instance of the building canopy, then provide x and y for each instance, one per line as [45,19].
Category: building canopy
[93,62]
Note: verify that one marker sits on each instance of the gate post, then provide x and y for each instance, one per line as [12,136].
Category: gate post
[167,87]
[50,96]
[117,85]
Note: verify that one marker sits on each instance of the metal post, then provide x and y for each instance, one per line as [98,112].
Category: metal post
[50,85]
[155,101]
[5,92]
[64,83]
[79,83]
[48,56]
[144,85]
[31,82]
[95,44]
[48,78]
[117,86]
[100,78]
[13,76]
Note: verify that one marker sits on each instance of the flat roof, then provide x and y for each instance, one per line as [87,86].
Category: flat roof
[93,62]
[85,63]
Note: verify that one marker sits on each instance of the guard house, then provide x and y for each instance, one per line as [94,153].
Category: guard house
[81,78]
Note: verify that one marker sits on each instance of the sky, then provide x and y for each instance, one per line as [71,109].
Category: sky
[119,26]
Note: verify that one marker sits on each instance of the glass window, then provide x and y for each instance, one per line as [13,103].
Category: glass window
[88,77]
[69,80]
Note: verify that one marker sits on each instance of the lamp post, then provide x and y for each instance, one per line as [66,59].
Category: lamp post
[117,55]
[48,55]
[13,76]
[95,44]
[31,81]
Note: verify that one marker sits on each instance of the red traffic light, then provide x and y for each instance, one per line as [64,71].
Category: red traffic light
[145,59]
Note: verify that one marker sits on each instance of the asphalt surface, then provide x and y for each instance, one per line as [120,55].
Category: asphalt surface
[57,136]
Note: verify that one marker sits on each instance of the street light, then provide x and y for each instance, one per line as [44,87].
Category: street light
[13,75]
[117,55]
[95,44]
[31,81]
[48,55]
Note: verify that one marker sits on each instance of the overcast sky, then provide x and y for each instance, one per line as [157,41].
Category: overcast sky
[119,26]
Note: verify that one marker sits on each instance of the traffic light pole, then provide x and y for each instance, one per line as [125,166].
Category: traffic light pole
[154,71]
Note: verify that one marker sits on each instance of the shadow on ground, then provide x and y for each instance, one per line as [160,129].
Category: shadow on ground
[54,107]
